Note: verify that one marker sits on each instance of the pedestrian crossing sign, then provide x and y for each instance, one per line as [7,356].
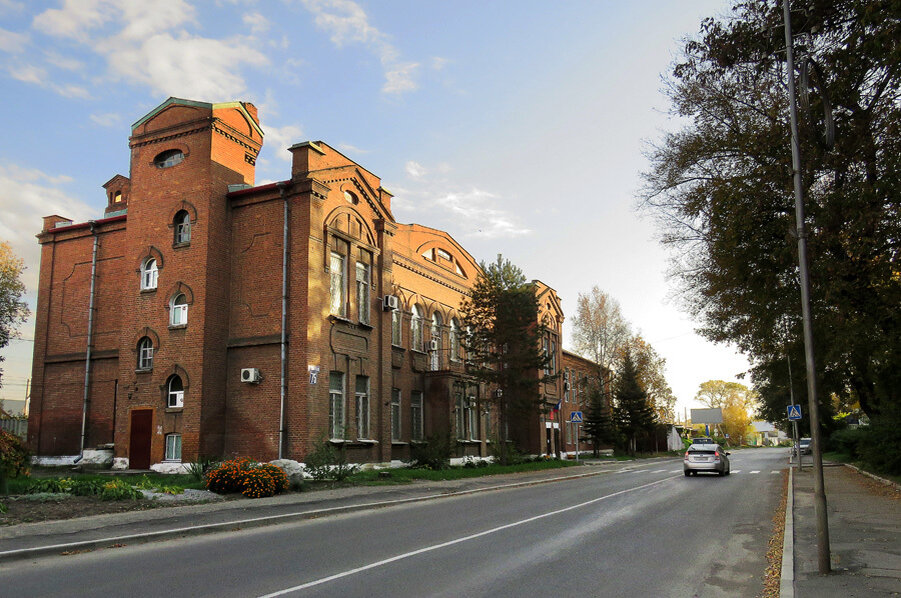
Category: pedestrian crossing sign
[575,417]
[794,412]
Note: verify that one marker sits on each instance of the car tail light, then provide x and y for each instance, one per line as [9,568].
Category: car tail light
[686,455]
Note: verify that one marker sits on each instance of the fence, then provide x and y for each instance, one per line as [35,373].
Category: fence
[19,427]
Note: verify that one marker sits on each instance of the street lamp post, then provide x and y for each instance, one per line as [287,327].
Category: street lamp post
[823,557]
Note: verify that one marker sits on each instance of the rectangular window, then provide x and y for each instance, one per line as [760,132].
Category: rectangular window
[336,405]
[362,396]
[416,408]
[460,413]
[471,421]
[363,299]
[145,359]
[487,420]
[396,327]
[179,314]
[395,415]
[338,304]
[546,351]
[173,447]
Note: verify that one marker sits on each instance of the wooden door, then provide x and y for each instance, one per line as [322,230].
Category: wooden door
[139,439]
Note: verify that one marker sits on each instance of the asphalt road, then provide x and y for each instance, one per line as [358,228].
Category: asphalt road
[640,529]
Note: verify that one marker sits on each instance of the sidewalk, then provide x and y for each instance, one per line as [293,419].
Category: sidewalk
[135,527]
[864,536]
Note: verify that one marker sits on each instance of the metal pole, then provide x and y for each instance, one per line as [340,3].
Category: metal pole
[90,342]
[823,556]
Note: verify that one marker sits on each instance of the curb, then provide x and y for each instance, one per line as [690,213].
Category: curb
[787,577]
[894,485]
[211,528]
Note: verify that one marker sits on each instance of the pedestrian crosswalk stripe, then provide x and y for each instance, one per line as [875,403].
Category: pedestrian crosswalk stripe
[756,471]
[775,471]
[735,471]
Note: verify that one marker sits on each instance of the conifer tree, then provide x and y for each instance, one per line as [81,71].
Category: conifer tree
[632,412]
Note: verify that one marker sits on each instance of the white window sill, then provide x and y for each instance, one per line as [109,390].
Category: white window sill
[367,441]
[143,370]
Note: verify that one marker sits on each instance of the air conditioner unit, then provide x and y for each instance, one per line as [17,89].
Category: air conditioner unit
[433,344]
[391,303]
[251,375]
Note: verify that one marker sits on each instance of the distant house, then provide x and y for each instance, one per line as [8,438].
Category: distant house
[766,434]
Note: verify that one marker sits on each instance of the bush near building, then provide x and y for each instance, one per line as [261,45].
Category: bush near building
[252,479]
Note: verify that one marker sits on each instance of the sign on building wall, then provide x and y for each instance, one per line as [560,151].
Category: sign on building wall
[314,373]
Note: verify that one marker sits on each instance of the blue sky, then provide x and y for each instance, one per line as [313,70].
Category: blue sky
[517,126]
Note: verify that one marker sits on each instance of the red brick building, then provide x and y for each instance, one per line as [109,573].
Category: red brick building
[204,316]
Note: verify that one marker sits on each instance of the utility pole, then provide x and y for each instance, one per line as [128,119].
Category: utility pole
[819,499]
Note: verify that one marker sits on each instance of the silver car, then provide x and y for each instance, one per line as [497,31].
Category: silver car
[706,457]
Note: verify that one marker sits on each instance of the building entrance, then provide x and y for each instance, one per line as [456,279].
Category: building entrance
[139,439]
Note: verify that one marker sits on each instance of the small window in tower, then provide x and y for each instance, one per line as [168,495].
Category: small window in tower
[117,198]
[168,158]
[350,197]
[182,226]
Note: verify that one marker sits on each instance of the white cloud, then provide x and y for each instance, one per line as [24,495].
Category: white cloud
[36,75]
[471,213]
[351,149]
[347,22]
[12,42]
[279,139]
[438,63]
[64,62]
[108,119]
[414,169]
[148,44]
[26,196]
[257,22]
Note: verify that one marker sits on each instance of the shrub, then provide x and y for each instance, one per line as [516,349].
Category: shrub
[325,462]
[434,453]
[14,458]
[92,488]
[252,479]
[880,446]
[847,441]
[119,490]
[51,485]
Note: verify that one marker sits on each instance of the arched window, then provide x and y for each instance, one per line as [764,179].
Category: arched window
[145,353]
[455,340]
[435,344]
[149,274]
[182,226]
[416,329]
[175,392]
[178,310]
[168,158]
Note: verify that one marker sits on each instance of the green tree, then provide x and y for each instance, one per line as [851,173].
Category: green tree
[650,366]
[599,425]
[737,402]
[13,311]
[503,343]
[631,409]
[722,191]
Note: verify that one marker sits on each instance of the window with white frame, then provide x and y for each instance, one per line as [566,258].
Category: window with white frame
[454,339]
[553,356]
[395,415]
[337,286]
[182,227]
[416,329]
[336,405]
[363,286]
[175,393]
[145,353]
[416,415]
[173,447]
[149,274]
[396,317]
[435,333]
[566,385]
[362,400]
[178,310]
[486,419]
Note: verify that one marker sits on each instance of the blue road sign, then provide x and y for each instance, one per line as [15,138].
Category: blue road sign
[794,413]
[576,417]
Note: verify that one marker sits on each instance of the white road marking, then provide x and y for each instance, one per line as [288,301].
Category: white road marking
[755,471]
[407,555]
[735,471]
[659,471]
[776,471]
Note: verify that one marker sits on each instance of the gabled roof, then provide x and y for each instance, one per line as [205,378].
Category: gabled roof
[172,101]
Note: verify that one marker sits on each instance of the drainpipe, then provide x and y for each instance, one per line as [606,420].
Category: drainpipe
[87,359]
[282,187]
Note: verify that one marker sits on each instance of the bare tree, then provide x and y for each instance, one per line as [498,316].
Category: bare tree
[600,333]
